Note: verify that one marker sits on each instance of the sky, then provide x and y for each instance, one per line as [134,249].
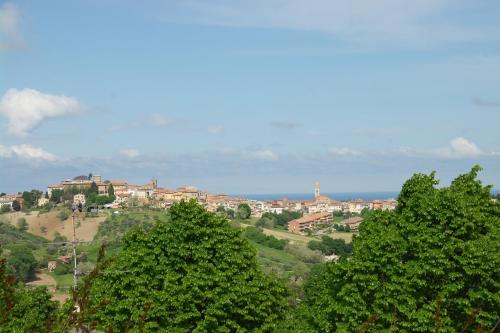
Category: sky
[261,96]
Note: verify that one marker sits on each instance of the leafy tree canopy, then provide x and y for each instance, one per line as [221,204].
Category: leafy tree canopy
[244,211]
[21,263]
[192,274]
[431,265]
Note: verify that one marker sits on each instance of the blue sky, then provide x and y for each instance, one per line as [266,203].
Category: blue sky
[249,96]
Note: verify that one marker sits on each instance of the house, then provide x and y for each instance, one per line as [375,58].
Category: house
[353,222]
[65,259]
[309,222]
[51,266]
[119,186]
[42,201]
[7,200]
[79,199]
[52,187]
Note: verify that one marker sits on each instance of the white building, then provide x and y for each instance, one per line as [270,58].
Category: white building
[79,199]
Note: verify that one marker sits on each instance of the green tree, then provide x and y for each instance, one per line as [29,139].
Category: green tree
[32,311]
[56,195]
[429,266]
[21,263]
[16,206]
[5,209]
[22,224]
[111,190]
[93,189]
[193,274]
[31,198]
[244,211]
[23,309]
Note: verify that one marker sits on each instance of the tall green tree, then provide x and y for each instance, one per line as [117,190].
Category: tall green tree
[16,206]
[111,190]
[429,266]
[244,212]
[93,189]
[21,263]
[192,274]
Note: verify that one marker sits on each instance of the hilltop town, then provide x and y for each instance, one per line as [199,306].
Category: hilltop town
[92,192]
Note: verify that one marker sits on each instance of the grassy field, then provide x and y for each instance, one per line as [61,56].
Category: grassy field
[63,281]
[277,261]
[347,236]
[282,234]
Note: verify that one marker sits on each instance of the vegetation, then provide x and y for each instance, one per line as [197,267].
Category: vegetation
[21,263]
[272,220]
[329,246]
[16,206]
[256,235]
[23,309]
[431,265]
[31,198]
[244,212]
[193,274]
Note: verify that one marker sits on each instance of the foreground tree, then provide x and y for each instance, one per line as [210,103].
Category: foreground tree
[193,274]
[23,309]
[430,266]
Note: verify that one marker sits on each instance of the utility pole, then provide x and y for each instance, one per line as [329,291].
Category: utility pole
[75,277]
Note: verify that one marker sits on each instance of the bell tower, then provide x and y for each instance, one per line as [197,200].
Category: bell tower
[317,192]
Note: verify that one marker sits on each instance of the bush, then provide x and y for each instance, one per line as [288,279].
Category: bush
[304,254]
[64,214]
[256,235]
[62,269]
[22,224]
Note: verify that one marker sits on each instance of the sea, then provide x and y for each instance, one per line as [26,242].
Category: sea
[340,196]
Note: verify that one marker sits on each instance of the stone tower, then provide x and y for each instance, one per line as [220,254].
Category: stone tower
[316,190]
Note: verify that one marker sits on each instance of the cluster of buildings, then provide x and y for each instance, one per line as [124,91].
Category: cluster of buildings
[127,194]
[7,200]
[316,211]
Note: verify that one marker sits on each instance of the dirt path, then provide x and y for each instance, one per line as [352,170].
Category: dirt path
[44,279]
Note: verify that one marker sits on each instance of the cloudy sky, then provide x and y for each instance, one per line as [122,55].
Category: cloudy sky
[258,96]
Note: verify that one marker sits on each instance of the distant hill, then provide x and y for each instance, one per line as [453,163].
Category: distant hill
[11,235]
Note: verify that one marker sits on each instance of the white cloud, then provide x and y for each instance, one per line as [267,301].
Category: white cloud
[130,153]
[463,147]
[25,109]
[343,151]
[355,22]
[263,155]
[10,32]
[216,129]
[27,152]
[459,147]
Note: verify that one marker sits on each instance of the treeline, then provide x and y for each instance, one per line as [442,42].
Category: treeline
[257,235]
[329,246]
[280,221]
[431,265]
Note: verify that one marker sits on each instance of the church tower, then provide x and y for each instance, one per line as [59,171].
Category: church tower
[316,190]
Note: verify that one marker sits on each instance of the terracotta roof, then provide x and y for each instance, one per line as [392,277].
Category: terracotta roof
[312,217]
[119,182]
[353,220]
[55,185]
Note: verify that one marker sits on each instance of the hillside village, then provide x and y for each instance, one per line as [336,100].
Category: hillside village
[114,194]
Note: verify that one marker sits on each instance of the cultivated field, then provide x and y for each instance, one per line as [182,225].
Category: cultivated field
[282,234]
[47,224]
